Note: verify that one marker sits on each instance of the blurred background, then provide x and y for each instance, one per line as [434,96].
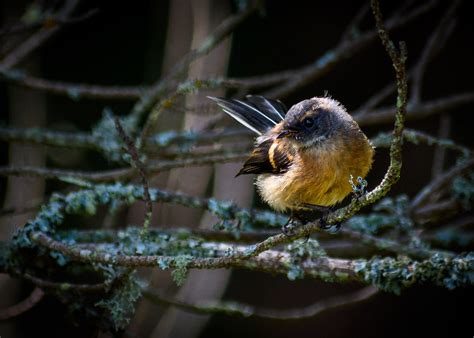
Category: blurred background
[123,43]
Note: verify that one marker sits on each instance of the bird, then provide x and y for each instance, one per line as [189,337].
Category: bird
[304,157]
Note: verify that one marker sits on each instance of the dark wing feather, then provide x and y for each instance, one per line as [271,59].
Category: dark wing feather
[256,113]
[269,157]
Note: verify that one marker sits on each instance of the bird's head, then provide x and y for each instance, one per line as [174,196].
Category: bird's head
[313,121]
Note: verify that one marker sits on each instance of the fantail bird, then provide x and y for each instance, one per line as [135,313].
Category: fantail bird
[305,156]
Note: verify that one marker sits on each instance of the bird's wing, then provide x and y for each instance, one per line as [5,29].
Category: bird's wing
[255,112]
[271,156]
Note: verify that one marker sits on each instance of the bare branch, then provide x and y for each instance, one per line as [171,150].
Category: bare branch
[352,28]
[34,298]
[440,152]
[428,108]
[138,164]
[72,90]
[433,45]
[342,52]
[247,310]
[37,39]
[149,99]
[440,182]
[122,173]
[46,284]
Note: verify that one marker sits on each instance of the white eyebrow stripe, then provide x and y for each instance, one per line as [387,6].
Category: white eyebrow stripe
[258,111]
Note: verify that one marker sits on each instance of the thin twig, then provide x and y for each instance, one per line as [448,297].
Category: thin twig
[65,286]
[149,99]
[394,246]
[439,182]
[138,164]
[37,39]
[72,90]
[383,140]
[49,137]
[440,152]
[352,28]
[13,311]
[47,21]
[377,98]
[122,174]
[89,141]
[247,310]
[418,112]
[77,91]
[439,36]
[340,53]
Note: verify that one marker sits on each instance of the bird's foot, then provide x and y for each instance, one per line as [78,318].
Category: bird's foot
[358,187]
[330,228]
[289,228]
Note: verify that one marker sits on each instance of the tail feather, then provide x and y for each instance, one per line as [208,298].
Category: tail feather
[274,109]
[256,112]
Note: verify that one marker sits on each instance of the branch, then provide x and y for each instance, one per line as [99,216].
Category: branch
[37,39]
[440,152]
[49,137]
[47,21]
[247,310]
[342,52]
[393,172]
[439,183]
[65,286]
[426,109]
[148,100]
[72,90]
[121,174]
[434,44]
[132,151]
[383,140]
[34,298]
[386,273]
[80,140]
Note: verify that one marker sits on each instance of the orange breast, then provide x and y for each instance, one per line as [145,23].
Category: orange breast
[319,175]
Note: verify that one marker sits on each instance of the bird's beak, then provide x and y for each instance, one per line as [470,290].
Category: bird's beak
[285,133]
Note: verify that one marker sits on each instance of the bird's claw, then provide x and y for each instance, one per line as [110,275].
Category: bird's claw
[331,228]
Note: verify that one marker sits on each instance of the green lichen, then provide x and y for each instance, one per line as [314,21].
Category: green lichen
[120,305]
[181,269]
[389,213]
[463,190]
[395,274]
[184,139]
[107,138]
[299,252]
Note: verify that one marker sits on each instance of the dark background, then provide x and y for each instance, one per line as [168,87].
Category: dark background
[124,43]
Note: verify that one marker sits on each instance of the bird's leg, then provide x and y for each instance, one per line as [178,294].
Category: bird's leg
[294,220]
[324,211]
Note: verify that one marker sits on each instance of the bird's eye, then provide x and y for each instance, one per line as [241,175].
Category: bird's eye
[308,123]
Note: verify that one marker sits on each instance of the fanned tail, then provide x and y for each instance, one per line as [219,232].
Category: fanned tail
[257,113]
